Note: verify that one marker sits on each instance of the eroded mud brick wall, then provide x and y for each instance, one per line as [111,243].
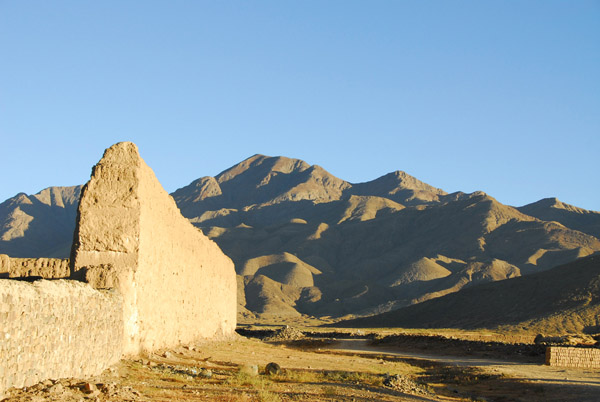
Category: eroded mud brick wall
[177,285]
[188,288]
[25,267]
[106,240]
[573,357]
[56,329]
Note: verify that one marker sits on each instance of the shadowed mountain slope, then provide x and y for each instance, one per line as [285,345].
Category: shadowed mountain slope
[551,209]
[407,255]
[39,225]
[563,299]
[379,245]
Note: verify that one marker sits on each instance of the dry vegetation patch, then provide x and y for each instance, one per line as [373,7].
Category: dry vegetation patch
[235,371]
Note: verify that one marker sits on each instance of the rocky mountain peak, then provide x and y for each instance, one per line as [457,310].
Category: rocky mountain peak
[59,196]
[547,204]
[552,201]
[40,224]
[406,181]
[552,209]
[400,187]
[262,166]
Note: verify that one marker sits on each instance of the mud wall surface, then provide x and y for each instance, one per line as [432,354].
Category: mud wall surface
[177,285]
[562,356]
[187,287]
[11,267]
[106,240]
[56,329]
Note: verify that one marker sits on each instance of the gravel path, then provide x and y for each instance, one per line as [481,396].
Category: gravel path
[525,371]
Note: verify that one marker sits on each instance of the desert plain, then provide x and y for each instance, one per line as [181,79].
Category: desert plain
[330,366]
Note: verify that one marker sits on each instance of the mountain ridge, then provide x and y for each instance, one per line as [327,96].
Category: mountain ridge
[552,209]
[39,225]
[307,242]
[367,234]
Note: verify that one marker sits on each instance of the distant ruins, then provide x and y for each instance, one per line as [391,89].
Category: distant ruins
[153,281]
[583,358]
[33,267]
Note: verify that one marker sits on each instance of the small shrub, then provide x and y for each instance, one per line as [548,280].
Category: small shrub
[266,396]
[242,378]
[329,392]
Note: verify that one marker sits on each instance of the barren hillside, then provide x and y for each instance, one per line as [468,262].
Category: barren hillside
[306,242]
[551,209]
[372,246]
[565,299]
[39,225]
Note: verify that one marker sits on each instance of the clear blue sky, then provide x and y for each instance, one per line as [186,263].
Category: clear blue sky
[498,96]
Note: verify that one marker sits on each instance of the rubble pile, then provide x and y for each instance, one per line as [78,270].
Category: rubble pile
[405,385]
[285,333]
[73,390]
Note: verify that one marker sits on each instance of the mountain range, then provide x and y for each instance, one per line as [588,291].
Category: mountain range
[306,242]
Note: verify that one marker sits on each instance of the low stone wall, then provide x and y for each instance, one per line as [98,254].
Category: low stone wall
[502,338]
[26,267]
[573,357]
[56,329]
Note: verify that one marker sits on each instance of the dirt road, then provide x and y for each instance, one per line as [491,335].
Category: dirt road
[587,381]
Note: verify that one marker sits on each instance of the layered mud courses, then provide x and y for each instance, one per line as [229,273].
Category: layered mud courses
[563,356]
[177,285]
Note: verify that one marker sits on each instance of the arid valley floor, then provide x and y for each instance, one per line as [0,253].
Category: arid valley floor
[329,366]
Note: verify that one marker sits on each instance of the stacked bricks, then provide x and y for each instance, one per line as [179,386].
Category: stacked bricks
[56,329]
[562,356]
[26,267]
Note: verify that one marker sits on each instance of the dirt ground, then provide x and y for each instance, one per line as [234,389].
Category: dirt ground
[182,374]
[316,370]
[485,378]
